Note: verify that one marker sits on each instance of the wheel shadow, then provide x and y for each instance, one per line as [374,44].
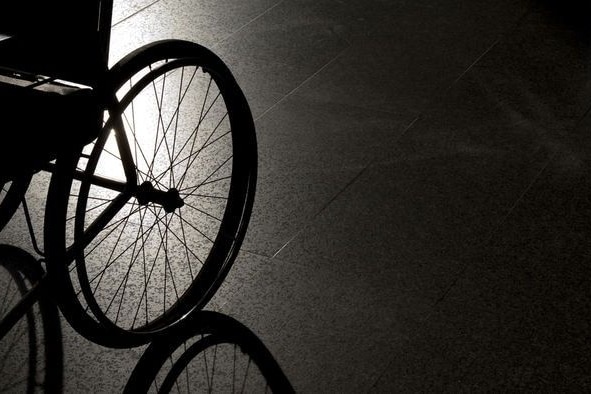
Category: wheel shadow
[206,351]
[31,355]
[212,352]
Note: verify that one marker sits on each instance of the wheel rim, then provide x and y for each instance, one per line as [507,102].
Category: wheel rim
[149,274]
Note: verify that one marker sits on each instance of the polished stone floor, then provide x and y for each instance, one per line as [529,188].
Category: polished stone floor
[422,213]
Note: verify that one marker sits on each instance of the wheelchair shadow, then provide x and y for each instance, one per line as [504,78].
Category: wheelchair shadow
[205,351]
[208,351]
[30,333]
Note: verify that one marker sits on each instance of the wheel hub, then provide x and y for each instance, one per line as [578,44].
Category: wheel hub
[169,199]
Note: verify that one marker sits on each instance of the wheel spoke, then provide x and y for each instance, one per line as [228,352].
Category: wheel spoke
[179,239]
[245,376]
[104,218]
[202,211]
[209,176]
[201,150]
[175,116]
[194,228]
[117,257]
[115,225]
[176,123]
[209,196]
[123,283]
[160,122]
[113,250]
[144,240]
[167,267]
[193,135]
[186,248]
[195,187]
[145,292]
[136,146]
[191,158]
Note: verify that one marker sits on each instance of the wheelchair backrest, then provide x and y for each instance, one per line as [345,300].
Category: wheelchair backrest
[50,17]
[60,36]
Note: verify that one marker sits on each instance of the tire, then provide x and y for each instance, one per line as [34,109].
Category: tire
[210,352]
[31,359]
[11,195]
[149,248]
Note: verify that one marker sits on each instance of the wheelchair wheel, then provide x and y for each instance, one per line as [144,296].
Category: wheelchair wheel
[213,354]
[11,194]
[150,228]
[31,351]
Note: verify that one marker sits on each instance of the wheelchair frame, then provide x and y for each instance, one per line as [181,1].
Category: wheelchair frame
[161,197]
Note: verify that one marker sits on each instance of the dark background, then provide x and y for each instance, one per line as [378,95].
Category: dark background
[422,216]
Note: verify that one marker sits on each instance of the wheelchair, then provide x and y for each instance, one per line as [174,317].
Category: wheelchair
[152,163]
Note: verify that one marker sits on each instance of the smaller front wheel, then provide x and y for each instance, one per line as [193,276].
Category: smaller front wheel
[157,215]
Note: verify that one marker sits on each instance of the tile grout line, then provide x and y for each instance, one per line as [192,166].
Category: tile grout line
[250,22]
[224,39]
[495,43]
[324,207]
[134,13]
[288,94]
[470,67]
[337,56]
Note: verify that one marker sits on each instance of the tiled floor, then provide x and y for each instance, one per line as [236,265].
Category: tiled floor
[422,210]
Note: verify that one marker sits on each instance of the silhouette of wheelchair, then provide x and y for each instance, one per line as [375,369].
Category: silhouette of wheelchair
[153,166]
[205,351]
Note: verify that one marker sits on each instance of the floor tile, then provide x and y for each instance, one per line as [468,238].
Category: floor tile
[308,152]
[422,211]
[285,202]
[518,318]
[126,9]
[395,77]
[264,82]
[288,33]
[92,368]
[438,191]
[206,23]
[16,231]
[410,221]
[523,78]
[411,55]
[305,134]
[326,329]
